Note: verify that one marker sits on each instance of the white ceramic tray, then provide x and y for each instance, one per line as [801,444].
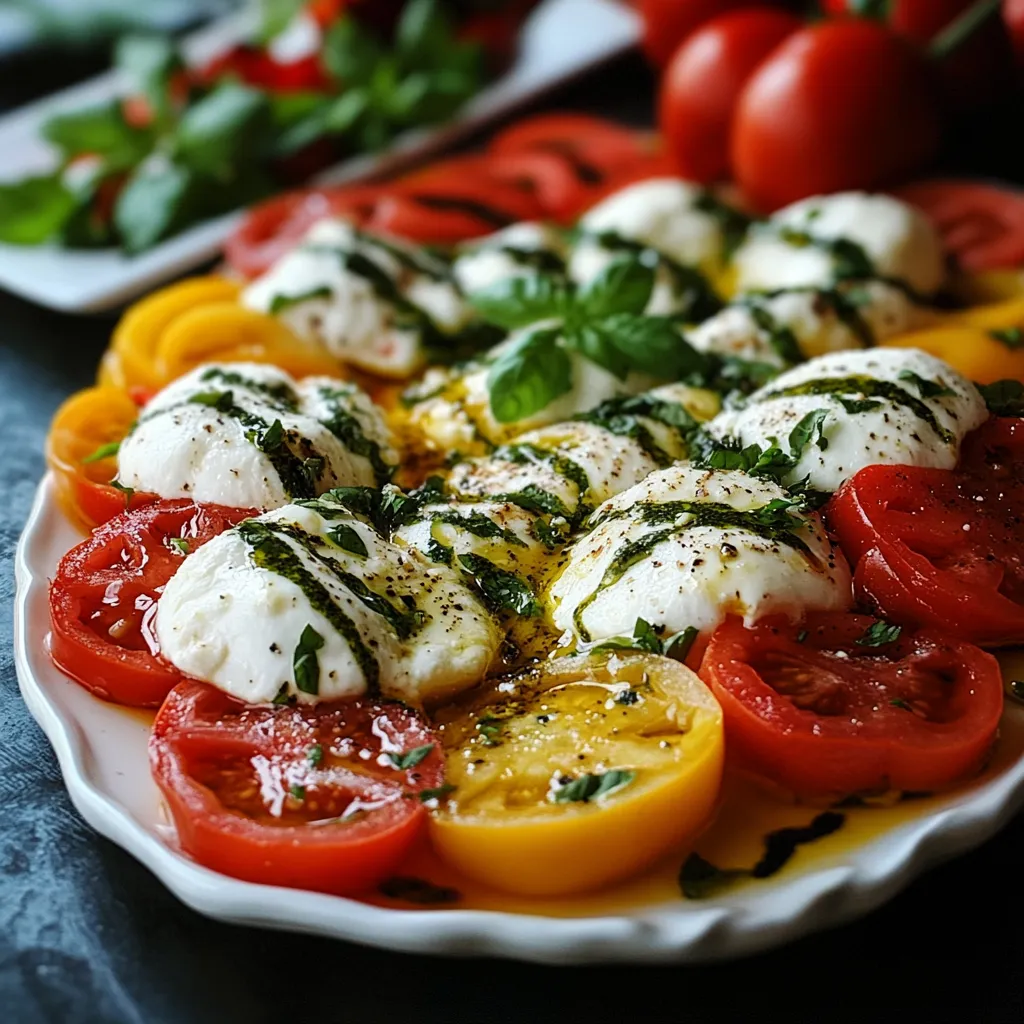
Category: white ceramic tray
[102,753]
[562,38]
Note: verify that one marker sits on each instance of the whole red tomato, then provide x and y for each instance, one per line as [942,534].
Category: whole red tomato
[980,66]
[668,22]
[703,81]
[1013,17]
[839,105]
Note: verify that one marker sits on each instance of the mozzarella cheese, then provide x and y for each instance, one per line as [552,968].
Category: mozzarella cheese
[686,547]
[372,302]
[515,251]
[888,406]
[210,436]
[390,621]
[755,327]
[667,216]
[793,248]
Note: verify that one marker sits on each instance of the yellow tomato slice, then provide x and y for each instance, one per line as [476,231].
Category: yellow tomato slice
[577,773]
[81,427]
[228,332]
[982,354]
[138,334]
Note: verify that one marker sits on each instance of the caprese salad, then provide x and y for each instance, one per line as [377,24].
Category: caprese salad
[520,543]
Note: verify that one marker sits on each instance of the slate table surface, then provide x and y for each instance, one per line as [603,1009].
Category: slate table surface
[87,934]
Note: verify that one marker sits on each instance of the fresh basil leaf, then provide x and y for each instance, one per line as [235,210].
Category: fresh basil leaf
[1003,397]
[222,401]
[623,286]
[105,451]
[423,32]
[679,645]
[599,347]
[315,755]
[305,663]
[1011,337]
[528,376]
[220,133]
[279,303]
[521,301]
[810,429]
[100,130]
[154,203]
[925,388]
[128,492]
[644,638]
[350,53]
[653,345]
[411,758]
[148,61]
[585,788]
[33,210]
[880,633]
[858,405]
[438,793]
[502,590]
[276,16]
[348,539]
[180,545]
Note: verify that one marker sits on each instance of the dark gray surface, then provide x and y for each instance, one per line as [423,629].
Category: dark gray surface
[86,933]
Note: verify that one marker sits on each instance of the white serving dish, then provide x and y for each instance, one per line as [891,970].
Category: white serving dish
[561,39]
[102,753]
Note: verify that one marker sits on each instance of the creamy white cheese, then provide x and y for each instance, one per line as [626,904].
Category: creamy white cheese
[339,286]
[515,251]
[667,215]
[210,436]
[235,612]
[887,406]
[792,250]
[697,561]
[753,326]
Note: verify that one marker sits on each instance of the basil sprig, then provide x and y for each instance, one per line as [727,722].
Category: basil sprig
[647,639]
[603,321]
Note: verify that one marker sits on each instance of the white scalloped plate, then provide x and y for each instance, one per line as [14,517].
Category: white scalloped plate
[102,753]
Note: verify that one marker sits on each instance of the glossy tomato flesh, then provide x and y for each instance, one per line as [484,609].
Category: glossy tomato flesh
[937,547]
[814,710]
[307,797]
[103,598]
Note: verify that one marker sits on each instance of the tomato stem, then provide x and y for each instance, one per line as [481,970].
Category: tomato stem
[961,28]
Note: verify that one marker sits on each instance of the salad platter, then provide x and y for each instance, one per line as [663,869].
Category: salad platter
[548,556]
[560,39]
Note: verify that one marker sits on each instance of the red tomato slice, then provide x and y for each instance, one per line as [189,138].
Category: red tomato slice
[271,229]
[575,135]
[937,547]
[812,709]
[304,797]
[104,595]
[982,226]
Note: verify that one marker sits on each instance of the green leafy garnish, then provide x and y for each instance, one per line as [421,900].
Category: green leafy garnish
[529,375]
[647,639]
[438,793]
[585,788]
[1004,397]
[305,663]
[128,492]
[180,545]
[281,302]
[925,388]
[1011,337]
[348,539]
[315,755]
[297,792]
[502,590]
[899,702]
[34,209]
[105,451]
[411,758]
[222,401]
[880,633]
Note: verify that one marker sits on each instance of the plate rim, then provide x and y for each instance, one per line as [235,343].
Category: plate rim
[750,922]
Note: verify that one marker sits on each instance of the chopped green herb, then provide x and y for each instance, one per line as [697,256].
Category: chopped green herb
[279,303]
[801,636]
[105,451]
[315,755]
[180,545]
[128,492]
[490,729]
[347,538]
[925,388]
[880,633]
[1004,397]
[282,697]
[438,793]
[502,590]
[222,401]
[678,645]
[585,788]
[1011,337]
[305,662]
[411,758]
[899,702]
[297,792]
